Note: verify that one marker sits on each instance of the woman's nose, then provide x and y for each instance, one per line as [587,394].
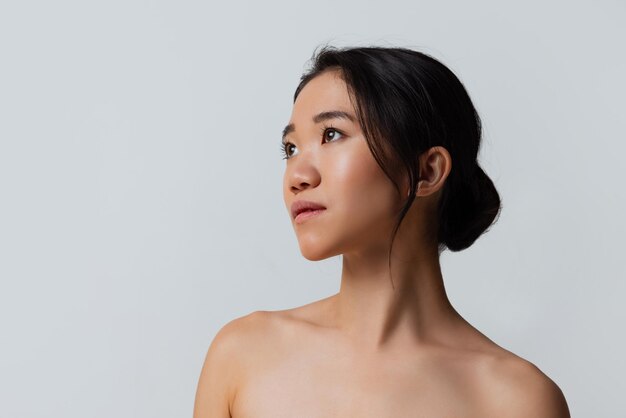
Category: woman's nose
[302,177]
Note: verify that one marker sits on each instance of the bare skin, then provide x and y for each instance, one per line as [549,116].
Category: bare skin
[373,349]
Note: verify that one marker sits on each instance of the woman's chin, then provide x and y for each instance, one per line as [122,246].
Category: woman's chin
[316,252]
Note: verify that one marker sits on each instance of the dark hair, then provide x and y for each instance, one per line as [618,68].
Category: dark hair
[407,102]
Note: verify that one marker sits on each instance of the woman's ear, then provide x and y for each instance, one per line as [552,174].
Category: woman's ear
[435,165]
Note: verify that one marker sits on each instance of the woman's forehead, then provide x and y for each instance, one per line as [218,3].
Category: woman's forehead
[326,91]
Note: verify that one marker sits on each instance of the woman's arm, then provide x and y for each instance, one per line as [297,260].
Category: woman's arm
[216,386]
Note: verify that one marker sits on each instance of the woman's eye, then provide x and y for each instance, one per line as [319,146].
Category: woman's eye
[287,150]
[331,134]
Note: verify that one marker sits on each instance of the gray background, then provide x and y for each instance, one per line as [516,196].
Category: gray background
[140,184]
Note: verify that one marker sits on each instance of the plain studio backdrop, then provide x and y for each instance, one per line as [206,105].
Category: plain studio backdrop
[140,187]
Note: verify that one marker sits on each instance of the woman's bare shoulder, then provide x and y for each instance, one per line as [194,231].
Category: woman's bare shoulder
[241,333]
[515,387]
[227,360]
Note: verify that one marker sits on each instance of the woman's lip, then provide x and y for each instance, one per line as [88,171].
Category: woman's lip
[303,216]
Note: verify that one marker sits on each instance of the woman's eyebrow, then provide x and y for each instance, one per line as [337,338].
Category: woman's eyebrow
[322,116]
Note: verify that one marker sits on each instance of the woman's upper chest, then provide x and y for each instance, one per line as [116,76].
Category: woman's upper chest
[310,377]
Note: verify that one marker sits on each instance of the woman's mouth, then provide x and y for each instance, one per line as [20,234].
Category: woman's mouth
[302,210]
[307,214]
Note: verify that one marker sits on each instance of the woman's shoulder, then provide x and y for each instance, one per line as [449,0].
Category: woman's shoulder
[504,383]
[258,329]
[239,333]
[512,386]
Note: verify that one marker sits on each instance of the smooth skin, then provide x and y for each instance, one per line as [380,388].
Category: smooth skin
[373,349]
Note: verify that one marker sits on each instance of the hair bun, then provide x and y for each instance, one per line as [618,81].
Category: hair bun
[467,209]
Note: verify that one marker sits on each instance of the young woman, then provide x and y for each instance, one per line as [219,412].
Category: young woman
[381,167]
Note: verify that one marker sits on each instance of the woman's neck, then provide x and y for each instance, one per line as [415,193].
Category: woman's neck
[376,315]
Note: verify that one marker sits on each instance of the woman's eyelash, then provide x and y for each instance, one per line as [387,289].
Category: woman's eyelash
[324,129]
[283,150]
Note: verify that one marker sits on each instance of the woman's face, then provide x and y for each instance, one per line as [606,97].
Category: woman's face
[329,163]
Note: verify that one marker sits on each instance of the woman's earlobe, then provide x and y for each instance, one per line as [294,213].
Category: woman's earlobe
[419,183]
